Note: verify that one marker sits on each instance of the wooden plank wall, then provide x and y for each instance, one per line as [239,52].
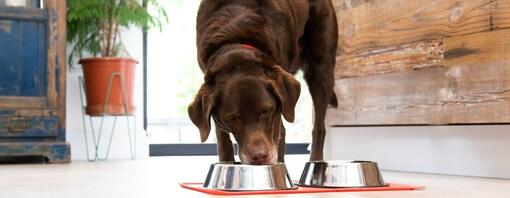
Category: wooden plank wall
[430,62]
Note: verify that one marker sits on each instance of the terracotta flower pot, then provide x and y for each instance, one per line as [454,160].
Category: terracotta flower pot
[97,73]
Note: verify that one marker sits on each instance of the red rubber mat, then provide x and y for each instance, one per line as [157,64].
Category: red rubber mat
[392,187]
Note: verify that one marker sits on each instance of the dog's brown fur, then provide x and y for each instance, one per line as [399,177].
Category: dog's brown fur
[248,50]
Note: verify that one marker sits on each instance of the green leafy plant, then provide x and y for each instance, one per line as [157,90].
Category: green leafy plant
[93,25]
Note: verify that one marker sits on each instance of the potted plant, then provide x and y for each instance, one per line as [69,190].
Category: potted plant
[94,27]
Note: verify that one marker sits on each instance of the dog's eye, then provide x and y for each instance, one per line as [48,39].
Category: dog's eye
[234,119]
[267,111]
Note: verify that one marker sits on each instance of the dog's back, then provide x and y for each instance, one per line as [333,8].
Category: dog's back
[272,26]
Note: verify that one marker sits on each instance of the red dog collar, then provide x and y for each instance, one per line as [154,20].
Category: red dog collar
[246,46]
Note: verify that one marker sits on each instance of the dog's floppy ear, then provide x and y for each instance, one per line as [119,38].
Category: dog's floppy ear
[200,111]
[287,88]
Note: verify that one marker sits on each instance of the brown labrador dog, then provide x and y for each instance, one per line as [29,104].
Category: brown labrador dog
[248,50]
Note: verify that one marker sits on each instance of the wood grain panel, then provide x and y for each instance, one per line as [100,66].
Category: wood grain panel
[61,62]
[477,93]
[382,23]
[53,63]
[384,36]
[28,127]
[19,75]
[9,34]
[478,48]
[392,59]
[470,85]
[8,102]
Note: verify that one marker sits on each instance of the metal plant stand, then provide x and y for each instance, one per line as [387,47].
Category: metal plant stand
[97,139]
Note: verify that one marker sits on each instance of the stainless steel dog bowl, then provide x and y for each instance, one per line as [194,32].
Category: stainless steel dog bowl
[341,174]
[235,176]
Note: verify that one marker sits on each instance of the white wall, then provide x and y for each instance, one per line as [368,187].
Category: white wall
[474,150]
[132,39]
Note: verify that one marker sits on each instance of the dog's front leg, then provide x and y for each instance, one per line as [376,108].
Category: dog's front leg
[281,145]
[224,146]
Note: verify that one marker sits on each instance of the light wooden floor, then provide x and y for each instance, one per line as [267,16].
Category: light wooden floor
[159,177]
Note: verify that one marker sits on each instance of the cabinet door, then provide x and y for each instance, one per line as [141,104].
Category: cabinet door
[31,68]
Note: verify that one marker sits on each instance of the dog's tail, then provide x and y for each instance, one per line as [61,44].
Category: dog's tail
[333,101]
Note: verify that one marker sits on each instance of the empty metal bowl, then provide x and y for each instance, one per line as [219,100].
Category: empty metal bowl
[341,174]
[234,176]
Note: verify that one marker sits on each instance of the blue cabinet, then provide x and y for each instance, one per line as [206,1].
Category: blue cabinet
[32,80]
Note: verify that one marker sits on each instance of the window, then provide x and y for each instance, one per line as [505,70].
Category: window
[22,3]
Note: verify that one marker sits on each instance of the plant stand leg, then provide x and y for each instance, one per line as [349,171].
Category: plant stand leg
[82,91]
[132,143]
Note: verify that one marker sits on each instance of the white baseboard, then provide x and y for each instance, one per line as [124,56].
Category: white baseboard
[474,150]
[119,149]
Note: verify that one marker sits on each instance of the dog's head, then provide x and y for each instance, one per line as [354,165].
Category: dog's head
[246,96]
